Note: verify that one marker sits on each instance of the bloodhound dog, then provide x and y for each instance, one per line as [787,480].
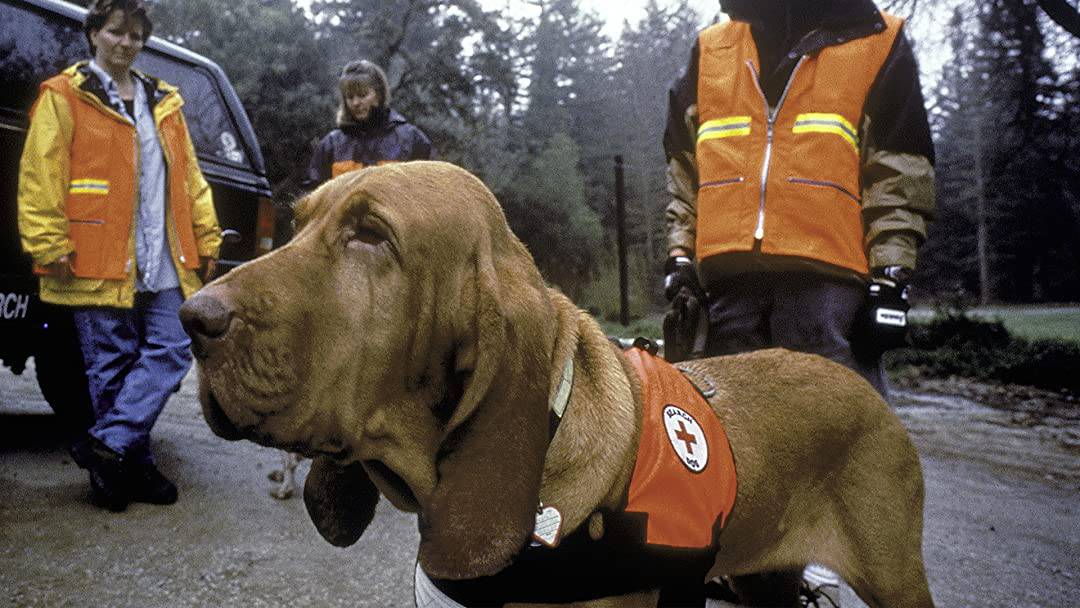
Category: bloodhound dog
[405,340]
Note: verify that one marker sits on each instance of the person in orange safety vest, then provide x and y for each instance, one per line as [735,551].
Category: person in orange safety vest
[800,168]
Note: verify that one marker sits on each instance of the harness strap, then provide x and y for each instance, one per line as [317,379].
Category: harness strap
[561,397]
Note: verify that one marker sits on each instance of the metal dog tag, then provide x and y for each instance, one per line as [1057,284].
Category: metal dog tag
[548,526]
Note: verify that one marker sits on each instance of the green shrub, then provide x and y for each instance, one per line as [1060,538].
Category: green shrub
[601,295]
[954,344]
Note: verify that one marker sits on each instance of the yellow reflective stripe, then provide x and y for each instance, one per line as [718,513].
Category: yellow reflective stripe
[817,122]
[731,126]
[89,186]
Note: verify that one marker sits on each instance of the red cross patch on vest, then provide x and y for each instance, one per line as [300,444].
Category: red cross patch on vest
[684,478]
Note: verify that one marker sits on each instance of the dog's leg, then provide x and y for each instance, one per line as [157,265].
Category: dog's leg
[882,544]
[897,578]
[287,486]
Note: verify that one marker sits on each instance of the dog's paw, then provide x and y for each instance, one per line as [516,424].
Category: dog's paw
[283,492]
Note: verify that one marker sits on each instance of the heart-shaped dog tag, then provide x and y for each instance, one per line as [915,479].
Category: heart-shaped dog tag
[548,526]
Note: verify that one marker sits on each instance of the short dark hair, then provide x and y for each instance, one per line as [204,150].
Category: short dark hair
[101,9]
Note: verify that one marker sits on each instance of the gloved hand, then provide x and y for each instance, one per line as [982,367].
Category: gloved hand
[686,324]
[680,273]
[883,320]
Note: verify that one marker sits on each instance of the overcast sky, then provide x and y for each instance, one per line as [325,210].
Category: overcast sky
[615,12]
[927,32]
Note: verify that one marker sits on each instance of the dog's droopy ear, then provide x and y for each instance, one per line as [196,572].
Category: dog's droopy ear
[483,507]
[340,500]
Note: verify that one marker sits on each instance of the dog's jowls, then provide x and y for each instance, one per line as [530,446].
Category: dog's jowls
[405,340]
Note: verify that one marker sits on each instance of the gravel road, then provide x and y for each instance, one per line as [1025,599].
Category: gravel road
[1002,526]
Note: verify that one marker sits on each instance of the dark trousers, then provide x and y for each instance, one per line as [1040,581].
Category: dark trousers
[798,311]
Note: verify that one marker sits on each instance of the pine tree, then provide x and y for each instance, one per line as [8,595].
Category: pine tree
[1004,224]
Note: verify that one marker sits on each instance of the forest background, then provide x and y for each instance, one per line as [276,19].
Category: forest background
[538,102]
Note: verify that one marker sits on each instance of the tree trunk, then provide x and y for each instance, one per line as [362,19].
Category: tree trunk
[981,228]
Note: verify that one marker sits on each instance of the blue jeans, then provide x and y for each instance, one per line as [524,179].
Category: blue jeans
[797,311]
[135,359]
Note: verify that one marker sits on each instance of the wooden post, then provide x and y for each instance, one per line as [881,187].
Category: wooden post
[620,227]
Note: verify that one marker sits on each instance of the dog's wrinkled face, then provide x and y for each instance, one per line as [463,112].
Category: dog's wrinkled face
[378,337]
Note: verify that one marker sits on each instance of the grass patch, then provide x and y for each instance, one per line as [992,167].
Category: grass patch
[981,345]
[649,326]
[1059,323]
[1032,346]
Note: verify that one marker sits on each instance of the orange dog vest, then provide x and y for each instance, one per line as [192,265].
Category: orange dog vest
[684,478]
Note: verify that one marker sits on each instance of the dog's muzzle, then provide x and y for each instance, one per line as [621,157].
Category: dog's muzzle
[215,417]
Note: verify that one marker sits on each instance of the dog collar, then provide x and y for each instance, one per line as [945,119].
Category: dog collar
[561,398]
[548,528]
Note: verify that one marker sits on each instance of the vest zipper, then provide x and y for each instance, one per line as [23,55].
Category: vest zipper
[770,128]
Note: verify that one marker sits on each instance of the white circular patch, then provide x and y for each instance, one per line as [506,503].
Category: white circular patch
[687,438]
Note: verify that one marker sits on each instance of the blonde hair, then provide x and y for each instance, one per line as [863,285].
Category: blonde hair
[361,74]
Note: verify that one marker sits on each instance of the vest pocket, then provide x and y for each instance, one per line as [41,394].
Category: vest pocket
[727,181]
[826,184]
[816,219]
[88,237]
[726,214]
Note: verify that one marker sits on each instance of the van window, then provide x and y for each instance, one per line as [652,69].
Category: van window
[207,117]
[33,48]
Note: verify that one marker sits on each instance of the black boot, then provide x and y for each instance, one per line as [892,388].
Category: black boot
[108,476]
[149,485]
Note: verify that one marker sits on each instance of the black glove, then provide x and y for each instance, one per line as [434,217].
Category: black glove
[882,323]
[686,324]
[680,273]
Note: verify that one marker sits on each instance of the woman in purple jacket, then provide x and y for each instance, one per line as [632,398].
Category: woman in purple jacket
[369,132]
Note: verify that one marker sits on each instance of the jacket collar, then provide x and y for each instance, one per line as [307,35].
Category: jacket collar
[383,119]
[85,79]
[841,14]
[826,23]
[858,19]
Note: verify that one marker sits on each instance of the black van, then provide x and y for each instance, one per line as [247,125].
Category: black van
[38,39]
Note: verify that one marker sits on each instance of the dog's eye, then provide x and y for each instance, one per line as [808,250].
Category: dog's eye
[362,236]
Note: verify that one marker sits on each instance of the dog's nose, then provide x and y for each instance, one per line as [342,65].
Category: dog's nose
[205,319]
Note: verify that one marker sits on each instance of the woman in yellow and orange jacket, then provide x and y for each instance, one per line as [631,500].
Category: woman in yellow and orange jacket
[121,227]
[77,193]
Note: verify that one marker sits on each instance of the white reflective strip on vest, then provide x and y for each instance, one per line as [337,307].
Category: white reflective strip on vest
[817,122]
[88,186]
[732,126]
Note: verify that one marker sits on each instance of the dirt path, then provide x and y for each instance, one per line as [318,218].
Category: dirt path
[1002,523]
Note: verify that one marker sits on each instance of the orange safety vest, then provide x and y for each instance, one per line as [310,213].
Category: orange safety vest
[103,188]
[341,167]
[788,180]
[684,477]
